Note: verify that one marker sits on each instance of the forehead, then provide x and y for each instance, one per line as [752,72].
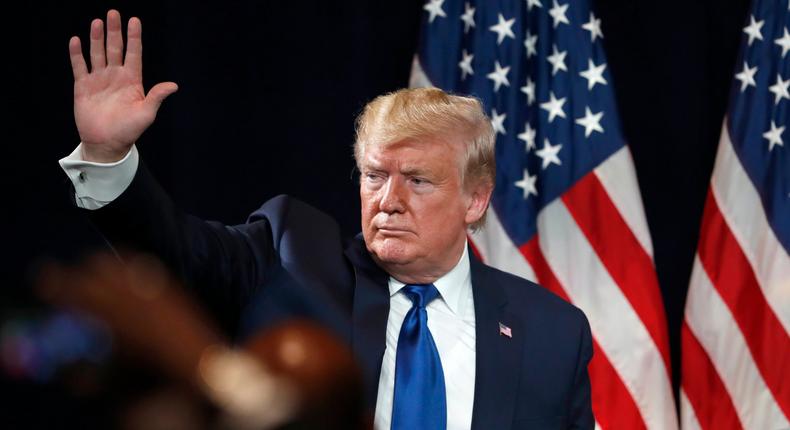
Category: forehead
[413,151]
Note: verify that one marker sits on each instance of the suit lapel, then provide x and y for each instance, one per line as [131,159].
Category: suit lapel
[369,316]
[498,357]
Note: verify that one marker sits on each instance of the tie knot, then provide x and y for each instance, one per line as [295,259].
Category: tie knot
[421,294]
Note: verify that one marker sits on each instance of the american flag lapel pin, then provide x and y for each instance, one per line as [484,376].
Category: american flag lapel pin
[505,331]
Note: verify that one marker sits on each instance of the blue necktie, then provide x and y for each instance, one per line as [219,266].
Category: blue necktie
[419,401]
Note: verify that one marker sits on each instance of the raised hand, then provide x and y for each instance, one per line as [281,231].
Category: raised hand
[111,108]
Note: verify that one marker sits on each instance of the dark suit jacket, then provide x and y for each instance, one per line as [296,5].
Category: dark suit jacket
[290,260]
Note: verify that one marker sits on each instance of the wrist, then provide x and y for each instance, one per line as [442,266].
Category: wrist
[103,155]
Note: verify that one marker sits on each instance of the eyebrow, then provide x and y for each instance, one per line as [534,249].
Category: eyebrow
[373,166]
[414,171]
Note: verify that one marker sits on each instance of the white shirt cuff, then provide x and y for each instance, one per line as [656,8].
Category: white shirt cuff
[97,184]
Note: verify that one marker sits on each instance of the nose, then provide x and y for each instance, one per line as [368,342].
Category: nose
[393,198]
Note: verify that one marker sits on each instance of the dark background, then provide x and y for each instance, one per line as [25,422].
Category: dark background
[268,95]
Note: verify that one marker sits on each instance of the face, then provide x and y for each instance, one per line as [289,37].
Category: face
[415,209]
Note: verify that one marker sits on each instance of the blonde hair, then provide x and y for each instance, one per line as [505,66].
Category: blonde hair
[415,113]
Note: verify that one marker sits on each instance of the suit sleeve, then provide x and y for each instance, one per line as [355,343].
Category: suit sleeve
[580,413]
[222,264]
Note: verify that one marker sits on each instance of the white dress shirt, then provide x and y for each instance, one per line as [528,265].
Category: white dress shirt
[451,317]
[96,184]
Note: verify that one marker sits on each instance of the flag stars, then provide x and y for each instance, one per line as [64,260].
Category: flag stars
[434,8]
[557,60]
[554,107]
[594,74]
[468,17]
[591,122]
[532,3]
[499,76]
[529,90]
[549,154]
[527,184]
[753,29]
[528,136]
[746,76]
[594,27]
[498,122]
[530,43]
[780,89]
[503,28]
[466,65]
[784,42]
[774,136]
[557,13]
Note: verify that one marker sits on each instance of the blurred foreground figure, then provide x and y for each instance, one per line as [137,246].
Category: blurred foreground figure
[294,376]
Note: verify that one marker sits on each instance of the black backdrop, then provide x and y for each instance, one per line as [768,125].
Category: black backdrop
[268,94]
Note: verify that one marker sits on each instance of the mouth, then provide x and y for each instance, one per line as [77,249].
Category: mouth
[392,231]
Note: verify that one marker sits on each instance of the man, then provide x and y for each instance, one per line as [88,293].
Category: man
[443,340]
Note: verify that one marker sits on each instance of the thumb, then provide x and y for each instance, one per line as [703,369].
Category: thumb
[159,93]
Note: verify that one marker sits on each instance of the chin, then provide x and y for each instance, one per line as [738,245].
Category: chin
[392,251]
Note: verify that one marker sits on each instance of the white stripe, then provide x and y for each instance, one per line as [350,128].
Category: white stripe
[498,250]
[742,209]
[711,322]
[615,325]
[418,77]
[619,180]
[688,419]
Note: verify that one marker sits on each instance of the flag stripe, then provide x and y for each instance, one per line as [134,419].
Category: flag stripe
[710,321]
[496,248]
[618,177]
[613,405]
[588,203]
[703,388]
[632,352]
[732,276]
[532,253]
[688,421]
[742,208]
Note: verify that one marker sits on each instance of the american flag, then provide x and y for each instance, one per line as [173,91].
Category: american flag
[566,211]
[505,330]
[735,343]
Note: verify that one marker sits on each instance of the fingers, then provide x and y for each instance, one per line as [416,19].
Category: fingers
[97,45]
[134,46]
[159,93]
[78,66]
[114,39]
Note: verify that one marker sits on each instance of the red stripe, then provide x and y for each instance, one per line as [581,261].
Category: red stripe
[734,279]
[534,256]
[620,252]
[612,403]
[613,406]
[706,392]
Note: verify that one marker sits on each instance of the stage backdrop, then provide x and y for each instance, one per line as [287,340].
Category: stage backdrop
[269,92]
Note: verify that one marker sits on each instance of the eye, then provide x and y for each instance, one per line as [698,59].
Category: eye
[419,181]
[373,178]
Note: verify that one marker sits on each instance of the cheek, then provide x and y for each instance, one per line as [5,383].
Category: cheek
[445,216]
[368,207]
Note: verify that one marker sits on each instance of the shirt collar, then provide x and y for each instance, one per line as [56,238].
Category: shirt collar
[451,285]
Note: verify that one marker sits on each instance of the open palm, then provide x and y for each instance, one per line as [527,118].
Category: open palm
[111,108]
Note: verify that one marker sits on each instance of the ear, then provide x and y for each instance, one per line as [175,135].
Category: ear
[477,203]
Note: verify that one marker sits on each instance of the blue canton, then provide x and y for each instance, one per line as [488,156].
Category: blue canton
[760,110]
[540,70]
